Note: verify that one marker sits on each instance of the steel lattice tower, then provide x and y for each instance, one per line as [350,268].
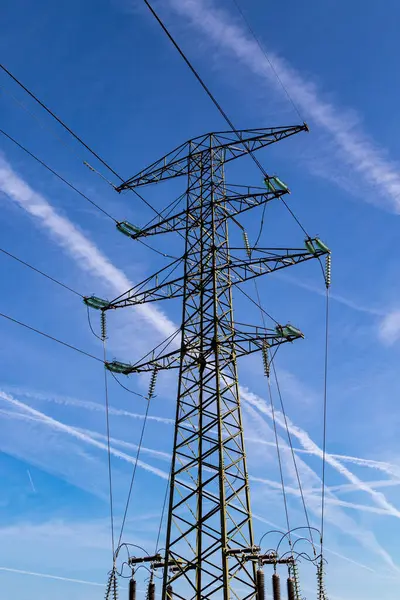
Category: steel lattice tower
[209,541]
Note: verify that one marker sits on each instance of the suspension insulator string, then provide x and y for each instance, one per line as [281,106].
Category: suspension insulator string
[170,592]
[103,325]
[267,369]
[246,243]
[328,269]
[152,385]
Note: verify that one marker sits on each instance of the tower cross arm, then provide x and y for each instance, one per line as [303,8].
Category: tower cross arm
[234,144]
[233,202]
[271,260]
[248,342]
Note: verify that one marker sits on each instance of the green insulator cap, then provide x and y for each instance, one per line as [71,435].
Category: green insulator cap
[269,184]
[321,245]
[294,331]
[95,302]
[288,331]
[280,184]
[310,246]
[127,228]
[119,367]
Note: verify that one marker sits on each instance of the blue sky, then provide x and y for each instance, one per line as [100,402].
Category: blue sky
[107,70]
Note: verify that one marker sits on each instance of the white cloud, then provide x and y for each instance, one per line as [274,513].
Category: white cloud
[353,146]
[61,427]
[389,328]
[47,576]
[89,258]
[78,246]
[305,440]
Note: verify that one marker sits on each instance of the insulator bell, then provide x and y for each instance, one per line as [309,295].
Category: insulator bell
[291,589]
[170,593]
[247,244]
[260,585]
[276,586]
[103,325]
[328,269]
[152,385]
[266,363]
[132,589]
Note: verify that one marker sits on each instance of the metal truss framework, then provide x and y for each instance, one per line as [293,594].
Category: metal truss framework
[209,526]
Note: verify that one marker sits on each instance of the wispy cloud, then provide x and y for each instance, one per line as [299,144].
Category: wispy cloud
[321,291]
[86,405]
[88,257]
[72,431]
[335,515]
[389,329]
[352,144]
[78,246]
[47,576]
[307,443]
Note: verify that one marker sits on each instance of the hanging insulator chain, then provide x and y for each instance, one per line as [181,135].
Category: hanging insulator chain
[247,243]
[170,593]
[103,325]
[328,268]
[152,385]
[260,585]
[267,369]
[276,586]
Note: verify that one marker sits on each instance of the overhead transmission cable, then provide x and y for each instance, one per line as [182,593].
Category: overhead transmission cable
[128,500]
[279,461]
[278,387]
[271,64]
[325,418]
[107,411]
[52,114]
[50,337]
[26,264]
[77,138]
[75,189]
[215,102]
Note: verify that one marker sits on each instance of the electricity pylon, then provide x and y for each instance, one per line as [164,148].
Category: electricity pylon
[210,551]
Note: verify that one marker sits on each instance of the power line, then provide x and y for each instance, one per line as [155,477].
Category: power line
[134,470]
[76,136]
[46,166]
[40,272]
[261,46]
[278,387]
[50,337]
[110,484]
[325,418]
[75,189]
[50,112]
[214,100]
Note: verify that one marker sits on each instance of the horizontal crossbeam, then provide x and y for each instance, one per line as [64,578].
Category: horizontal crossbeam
[235,145]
